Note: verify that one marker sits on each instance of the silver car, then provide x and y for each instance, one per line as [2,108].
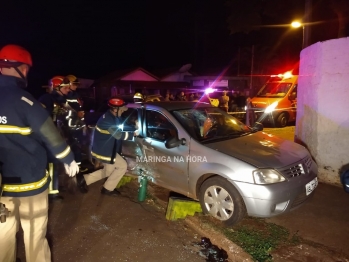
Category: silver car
[206,154]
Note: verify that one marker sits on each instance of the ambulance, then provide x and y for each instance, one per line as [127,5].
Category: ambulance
[280,94]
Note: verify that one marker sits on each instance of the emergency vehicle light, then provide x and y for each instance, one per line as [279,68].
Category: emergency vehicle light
[209,90]
[285,75]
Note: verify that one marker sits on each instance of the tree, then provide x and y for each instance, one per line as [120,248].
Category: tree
[341,9]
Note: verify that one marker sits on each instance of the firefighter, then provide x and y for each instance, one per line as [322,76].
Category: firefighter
[55,104]
[55,101]
[107,142]
[138,98]
[27,133]
[75,127]
[73,97]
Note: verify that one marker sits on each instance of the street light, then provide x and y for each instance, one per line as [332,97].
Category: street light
[297,24]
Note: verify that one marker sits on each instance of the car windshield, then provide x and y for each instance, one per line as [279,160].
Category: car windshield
[210,124]
[274,89]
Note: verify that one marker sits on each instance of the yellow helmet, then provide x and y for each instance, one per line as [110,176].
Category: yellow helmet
[73,79]
[138,98]
[138,95]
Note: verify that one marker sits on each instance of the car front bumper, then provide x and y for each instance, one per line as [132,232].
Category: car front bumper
[274,199]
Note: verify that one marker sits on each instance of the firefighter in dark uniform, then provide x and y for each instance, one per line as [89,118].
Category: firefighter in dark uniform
[27,132]
[107,142]
[55,104]
[75,129]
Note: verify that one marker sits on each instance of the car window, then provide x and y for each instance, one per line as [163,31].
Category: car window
[274,89]
[129,118]
[211,123]
[159,127]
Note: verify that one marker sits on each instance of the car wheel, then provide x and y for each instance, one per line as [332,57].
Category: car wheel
[282,120]
[220,199]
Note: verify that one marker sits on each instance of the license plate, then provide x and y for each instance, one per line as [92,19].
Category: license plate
[311,186]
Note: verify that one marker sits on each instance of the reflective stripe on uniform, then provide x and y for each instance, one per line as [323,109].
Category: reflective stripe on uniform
[64,153]
[101,157]
[72,100]
[102,131]
[6,129]
[26,187]
[50,188]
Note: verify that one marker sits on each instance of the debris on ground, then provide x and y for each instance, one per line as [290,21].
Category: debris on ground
[211,252]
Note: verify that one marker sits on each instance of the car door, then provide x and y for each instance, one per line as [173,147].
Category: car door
[169,166]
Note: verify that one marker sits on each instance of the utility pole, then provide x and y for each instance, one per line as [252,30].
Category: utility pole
[306,26]
[252,60]
[239,61]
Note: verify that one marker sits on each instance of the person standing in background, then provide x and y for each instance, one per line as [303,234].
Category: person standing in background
[224,101]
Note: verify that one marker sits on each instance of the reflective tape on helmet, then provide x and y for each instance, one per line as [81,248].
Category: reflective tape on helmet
[6,129]
[26,187]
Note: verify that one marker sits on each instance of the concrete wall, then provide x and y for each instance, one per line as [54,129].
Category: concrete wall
[323,106]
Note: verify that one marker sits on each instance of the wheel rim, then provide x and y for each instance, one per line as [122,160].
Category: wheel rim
[218,203]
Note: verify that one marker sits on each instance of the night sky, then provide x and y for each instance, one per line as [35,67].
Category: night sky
[92,38]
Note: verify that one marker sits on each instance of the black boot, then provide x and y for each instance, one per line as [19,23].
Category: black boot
[55,198]
[110,193]
[81,183]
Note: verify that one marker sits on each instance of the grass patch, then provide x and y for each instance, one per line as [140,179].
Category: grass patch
[258,238]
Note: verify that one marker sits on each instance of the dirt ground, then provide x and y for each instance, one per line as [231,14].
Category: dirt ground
[93,227]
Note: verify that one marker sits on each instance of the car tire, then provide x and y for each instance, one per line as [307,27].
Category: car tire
[220,199]
[282,120]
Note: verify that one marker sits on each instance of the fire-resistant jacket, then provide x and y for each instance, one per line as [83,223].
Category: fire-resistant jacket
[74,101]
[51,100]
[105,146]
[26,132]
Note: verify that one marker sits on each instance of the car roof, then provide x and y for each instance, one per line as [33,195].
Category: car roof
[172,105]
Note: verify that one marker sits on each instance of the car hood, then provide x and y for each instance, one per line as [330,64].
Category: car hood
[262,150]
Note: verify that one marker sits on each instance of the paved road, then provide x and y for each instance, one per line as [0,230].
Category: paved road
[324,219]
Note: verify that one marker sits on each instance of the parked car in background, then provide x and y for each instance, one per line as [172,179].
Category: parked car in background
[202,152]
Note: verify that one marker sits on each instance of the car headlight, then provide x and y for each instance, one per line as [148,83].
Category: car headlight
[267,176]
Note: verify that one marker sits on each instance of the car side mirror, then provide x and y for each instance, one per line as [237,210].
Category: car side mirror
[257,127]
[174,142]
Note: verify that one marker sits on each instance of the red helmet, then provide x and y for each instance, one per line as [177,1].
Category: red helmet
[58,81]
[14,55]
[116,102]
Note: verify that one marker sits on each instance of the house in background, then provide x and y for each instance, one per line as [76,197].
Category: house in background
[168,80]
[128,82]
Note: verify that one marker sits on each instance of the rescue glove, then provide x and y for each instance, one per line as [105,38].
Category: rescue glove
[115,132]
[72,169]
